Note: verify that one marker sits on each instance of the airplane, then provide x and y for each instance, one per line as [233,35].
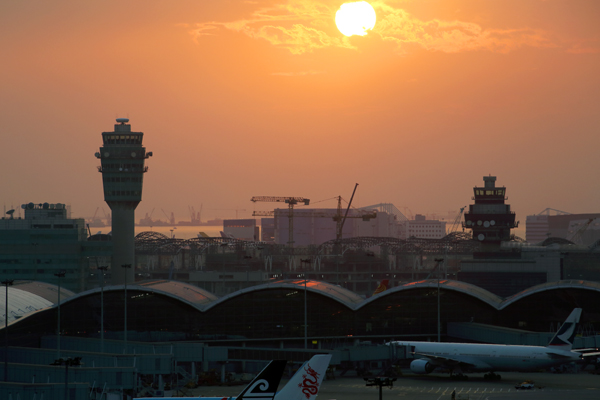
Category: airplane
[473,357]
[304,385]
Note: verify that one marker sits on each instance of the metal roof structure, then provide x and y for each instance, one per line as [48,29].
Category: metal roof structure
[557,285]
[25,297]
[445,284]
[190,294]
[338,293]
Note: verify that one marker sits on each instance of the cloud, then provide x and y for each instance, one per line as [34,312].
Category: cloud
[302,26]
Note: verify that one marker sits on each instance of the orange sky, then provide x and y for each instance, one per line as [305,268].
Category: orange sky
[248,98]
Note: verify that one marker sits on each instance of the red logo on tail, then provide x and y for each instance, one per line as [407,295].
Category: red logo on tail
[310,384]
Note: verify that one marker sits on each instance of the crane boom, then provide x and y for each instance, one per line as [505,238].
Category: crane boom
[290,201]
[279,199]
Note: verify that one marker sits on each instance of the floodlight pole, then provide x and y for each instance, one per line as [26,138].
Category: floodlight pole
[305,317]
[102,270]
[305,305]
[59,275]
[6,283]
[125,324]
[438,260]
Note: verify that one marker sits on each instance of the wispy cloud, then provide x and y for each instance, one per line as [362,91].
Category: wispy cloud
[302,26]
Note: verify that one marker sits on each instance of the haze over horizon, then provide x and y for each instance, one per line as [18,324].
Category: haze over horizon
[250,98]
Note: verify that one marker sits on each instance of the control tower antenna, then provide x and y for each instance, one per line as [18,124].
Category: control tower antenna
[122,158]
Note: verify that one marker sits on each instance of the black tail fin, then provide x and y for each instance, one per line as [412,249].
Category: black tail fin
[264,386]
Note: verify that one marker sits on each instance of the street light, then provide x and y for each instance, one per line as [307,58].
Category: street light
[302,261]
[59,275]
[380,382]
[67,362]
[102,269]
[6,284]
[439,261]
[125,323]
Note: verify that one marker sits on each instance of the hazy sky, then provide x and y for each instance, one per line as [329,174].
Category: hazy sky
[249,98]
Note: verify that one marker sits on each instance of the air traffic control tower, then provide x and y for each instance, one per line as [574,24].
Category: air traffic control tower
[122,159]
[490,218]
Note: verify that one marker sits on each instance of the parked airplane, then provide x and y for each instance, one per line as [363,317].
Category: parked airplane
[304,385]
[470,357]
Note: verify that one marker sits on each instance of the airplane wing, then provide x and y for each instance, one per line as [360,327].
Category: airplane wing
[451,362]
[559,356]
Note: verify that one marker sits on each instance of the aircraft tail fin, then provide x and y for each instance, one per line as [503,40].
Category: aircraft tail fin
[383,285]
[264,386]
[305,384]
[563,340]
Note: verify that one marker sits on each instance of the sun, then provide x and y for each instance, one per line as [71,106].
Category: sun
[355,18]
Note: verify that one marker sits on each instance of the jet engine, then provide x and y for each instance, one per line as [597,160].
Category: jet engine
[421,366]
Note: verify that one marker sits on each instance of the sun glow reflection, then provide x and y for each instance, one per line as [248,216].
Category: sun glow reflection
[355,18]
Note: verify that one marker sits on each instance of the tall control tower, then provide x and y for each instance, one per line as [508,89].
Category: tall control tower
[490,218]
[122,159]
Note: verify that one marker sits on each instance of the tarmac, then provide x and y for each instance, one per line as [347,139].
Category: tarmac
[548,386]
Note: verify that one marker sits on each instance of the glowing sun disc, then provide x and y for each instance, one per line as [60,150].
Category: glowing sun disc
[355,18]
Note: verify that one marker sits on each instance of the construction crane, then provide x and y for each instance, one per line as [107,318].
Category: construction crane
[336,216]
[291,202]
[577,234]
[457,221]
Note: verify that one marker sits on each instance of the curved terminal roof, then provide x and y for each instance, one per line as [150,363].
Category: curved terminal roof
[344,296]
[25,297]
[190,294]
[557,285]
[445,284]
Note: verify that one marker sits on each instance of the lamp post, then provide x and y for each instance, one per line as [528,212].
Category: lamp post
[59,275]
[439,261]
[67,362]
[125,322]
[102,271]
[305,306]
[6,284]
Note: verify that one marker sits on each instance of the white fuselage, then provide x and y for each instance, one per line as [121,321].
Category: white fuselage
[490,357]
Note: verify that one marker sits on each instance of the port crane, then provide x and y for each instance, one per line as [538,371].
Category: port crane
[291,202]
[170,219]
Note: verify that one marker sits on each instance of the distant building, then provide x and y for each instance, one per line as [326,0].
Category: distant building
[423,228]
[579,228]
[43,243]
[244,229]
[536,228]
[267,230]
[318,225]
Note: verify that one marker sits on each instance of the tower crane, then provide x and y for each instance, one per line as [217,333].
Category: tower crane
[291,202]
[336,216]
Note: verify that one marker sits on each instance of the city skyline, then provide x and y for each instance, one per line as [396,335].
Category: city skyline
[239,99]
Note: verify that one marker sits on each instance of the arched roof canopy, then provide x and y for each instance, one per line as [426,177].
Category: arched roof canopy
[337,293]
[195,296]
[25,297]
[550,286]
[445,284]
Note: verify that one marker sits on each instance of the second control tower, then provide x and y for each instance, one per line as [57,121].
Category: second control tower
[490,218]
[122,158]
